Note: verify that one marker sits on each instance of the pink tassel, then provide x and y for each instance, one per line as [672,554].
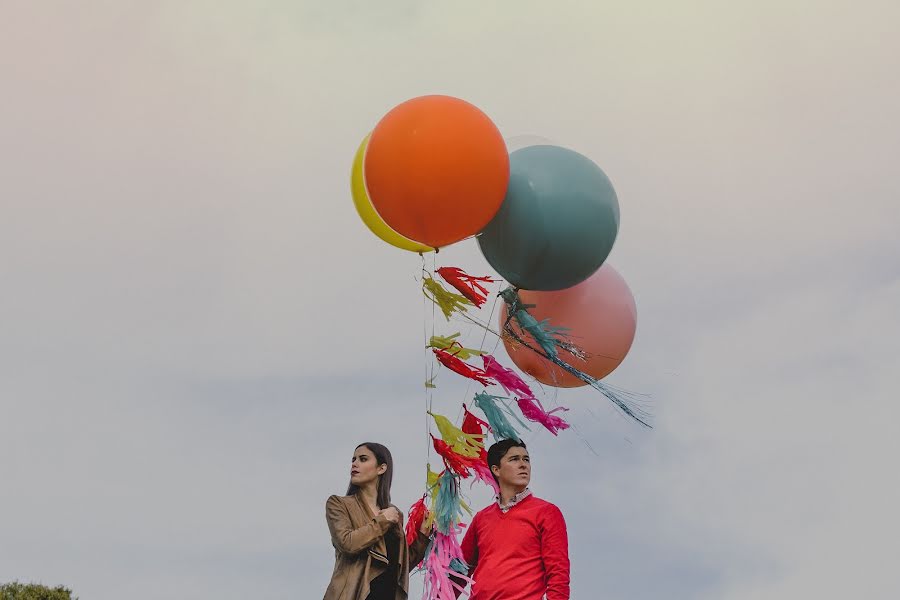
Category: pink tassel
[533,410]
[507,378]
[473,425]
[438,582]
[483,473]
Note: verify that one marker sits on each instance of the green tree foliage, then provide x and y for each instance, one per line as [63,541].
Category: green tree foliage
[33,591]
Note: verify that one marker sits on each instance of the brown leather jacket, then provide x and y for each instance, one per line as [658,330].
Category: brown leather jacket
[360,553]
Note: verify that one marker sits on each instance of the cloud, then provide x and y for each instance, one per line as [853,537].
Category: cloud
[198,329]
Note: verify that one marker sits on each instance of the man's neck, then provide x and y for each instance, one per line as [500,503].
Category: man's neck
[507,493]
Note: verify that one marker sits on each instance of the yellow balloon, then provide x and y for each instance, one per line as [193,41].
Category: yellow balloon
[367,212]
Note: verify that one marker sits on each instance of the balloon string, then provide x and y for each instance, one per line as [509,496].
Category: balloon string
[481,346]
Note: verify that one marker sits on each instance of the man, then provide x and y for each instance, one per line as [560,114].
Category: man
[517,548]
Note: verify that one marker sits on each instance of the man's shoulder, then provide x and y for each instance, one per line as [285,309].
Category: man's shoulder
[486,512]
[544,506]
[541,502]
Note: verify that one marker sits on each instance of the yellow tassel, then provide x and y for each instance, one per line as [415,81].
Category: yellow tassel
[448,302]
[464,444]
[452,346]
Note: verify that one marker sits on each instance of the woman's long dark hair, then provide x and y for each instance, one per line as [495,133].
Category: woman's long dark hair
[382,457]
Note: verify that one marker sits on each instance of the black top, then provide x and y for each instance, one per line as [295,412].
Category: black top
[384,587]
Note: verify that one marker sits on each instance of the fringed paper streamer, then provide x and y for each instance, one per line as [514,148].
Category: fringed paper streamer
[546,336]
[465,444]
[458,566]
[455,462]
[448,508]
[432,480]
[533,410]
[466,284]
[483,472]
[450,344]
[464,369]
[447,301]
[446,571]
[511,297]
[500,426]
[508,379]
[417,514]
[474,426]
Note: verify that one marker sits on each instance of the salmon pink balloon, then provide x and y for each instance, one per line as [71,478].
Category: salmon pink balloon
[600,317]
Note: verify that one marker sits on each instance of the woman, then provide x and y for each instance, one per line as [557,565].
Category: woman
[372,560]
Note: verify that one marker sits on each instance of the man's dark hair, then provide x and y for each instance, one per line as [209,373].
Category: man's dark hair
[499,450]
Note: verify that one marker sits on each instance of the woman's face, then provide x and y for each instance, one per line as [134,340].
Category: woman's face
[364,469]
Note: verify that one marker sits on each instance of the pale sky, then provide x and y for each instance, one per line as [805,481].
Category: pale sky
[197,329]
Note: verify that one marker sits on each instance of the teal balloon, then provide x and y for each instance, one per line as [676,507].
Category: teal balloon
[558,222]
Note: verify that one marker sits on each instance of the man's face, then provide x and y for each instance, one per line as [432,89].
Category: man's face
[515,468]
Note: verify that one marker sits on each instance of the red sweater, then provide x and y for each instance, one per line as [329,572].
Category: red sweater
[520,555]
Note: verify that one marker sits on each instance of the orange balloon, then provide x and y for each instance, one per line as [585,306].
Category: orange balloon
[436,170]
[601,319]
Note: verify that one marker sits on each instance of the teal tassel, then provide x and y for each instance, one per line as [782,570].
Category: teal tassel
[621,399]
[447,506]
[501,428]
[459,566]
[548,349]
[546,336]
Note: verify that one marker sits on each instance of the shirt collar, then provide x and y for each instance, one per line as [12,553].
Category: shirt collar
[513,501]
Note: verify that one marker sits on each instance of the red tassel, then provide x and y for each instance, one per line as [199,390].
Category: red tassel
[457,463]
[458,366]
[466,284]
[473,425]
[417,514]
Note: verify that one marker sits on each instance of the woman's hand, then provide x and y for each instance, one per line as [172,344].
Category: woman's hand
[391,514]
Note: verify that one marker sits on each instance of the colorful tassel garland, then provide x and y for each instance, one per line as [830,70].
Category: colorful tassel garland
[483,472]
[508,379]
[455,462]
[464,444]
[447,301]
[473,425]
[467,285]
[516,308]
[432,480]
[417,514]
[447,573]
[546,336]
[500,426]
[533,410]
[450,344]
[448,508]
[458,366]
